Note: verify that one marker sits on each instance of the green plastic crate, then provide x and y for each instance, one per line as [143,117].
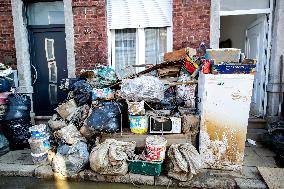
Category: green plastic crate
[144,167]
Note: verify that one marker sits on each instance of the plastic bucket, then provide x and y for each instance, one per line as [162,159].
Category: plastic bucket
[138,124]
[156,148]
[39,145]
[40,158]
[38,131]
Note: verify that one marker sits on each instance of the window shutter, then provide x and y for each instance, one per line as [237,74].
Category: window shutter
[139,13]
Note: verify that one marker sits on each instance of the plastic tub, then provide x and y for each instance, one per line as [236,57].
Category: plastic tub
[39,145]
[38,131]
[145,168]
[156,148]
[138,124]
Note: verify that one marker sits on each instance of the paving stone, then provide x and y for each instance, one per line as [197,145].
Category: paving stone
[44,172]
[22,157]
[205,180]
[17,170]
[250,172]
[128,178]
[165,181]
[264,152]
[250,183]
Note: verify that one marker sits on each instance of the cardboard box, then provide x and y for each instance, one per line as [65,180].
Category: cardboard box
[226,55]
[234,69]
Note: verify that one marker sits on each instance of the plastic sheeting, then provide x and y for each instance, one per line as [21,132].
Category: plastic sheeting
[69,160]
[148,88]
[110,157]
[184,161]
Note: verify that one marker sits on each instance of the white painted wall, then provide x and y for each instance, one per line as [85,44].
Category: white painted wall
[234,28]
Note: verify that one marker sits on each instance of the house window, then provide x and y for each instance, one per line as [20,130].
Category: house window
[139,32]
[138,46]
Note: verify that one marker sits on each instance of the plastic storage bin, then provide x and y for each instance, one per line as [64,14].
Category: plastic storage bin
[153,168]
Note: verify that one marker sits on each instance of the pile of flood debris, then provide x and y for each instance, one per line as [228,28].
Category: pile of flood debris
[159,100]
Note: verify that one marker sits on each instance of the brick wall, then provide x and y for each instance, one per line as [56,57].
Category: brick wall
[7,42]
[191,23]
[90,33]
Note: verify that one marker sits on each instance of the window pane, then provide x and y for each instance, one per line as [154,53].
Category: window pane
[231,5]
[125,48]
[45,13]
[155,45]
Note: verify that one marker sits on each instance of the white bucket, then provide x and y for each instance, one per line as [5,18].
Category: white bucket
[40,158]
[39,145]
[156,148]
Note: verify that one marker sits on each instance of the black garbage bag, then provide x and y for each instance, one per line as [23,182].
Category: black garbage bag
[19,107]
[5,84]
[17,133]
[106,117]
[82,92]
[169,101]
[68,84]
[69,160]
[4,145]
[275,140]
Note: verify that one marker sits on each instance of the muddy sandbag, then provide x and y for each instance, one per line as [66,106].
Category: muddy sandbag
[110,157]
[148,88]
[17,133]
[67,109]
[79,116]
[4,145]
[184,161]
[56,123]
[69,135]
[82,92]
[106,117]
[88,132]
[70,160]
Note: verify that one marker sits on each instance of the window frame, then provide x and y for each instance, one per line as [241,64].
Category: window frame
[140,47]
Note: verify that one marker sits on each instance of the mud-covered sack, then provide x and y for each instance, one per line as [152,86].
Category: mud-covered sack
[110,157]
[56,123]
[70,160]
[82,92]
[17,133]
[184,161]
[69,135]
[79,116]
[67,109]
[4,145]
[106,117]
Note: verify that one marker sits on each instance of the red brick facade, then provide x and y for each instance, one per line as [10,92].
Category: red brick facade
[90,33]
[191,23]
[191,26]
[7,42]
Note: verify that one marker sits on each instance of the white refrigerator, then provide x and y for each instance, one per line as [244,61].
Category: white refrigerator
[224,105]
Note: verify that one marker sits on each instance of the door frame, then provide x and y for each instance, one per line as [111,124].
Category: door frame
[22,46]
[215,15]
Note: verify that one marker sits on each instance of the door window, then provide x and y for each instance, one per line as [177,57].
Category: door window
[45,13]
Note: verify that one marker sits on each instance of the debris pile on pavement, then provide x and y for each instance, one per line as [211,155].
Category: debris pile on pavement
[161,99]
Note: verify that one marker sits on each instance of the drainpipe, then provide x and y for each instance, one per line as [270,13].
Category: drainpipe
[273,87]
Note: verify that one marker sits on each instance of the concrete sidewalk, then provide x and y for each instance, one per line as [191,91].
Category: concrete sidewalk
[19,163]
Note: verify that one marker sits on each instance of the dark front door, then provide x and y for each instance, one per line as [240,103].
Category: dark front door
[49,66]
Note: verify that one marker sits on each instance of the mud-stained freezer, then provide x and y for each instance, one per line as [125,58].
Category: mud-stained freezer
[224,104]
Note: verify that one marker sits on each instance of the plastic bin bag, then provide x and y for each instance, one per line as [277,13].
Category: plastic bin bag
[69,135]
[148,88]
[82,92]
[4,145]
[106,117]
[70,160]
